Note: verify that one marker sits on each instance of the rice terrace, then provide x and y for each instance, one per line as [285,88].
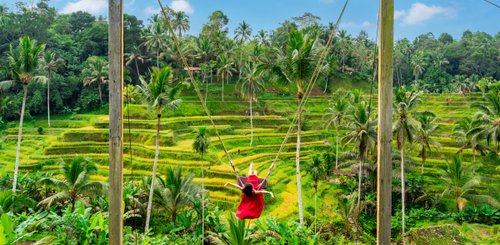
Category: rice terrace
[249,122]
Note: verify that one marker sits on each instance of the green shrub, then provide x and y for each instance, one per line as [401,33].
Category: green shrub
[40,130]
[483,215]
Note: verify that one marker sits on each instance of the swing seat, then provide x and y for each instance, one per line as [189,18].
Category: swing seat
[243,180]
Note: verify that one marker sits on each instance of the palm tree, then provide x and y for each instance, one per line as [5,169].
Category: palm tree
[295,64]
[336,115]
[23,64]
[316,167]
[425,133]
[250,87]
[173,193]
[404,128]
[135,57]
[262,38]
[50,63]
[344,44]
[180,22]
[159,94]
[96,72]
[417,61]
[200,145]
[75,184]
[361,130]
[459,181]
[243,32]
[155,38]
[489,118]
[466,132]
[225,70]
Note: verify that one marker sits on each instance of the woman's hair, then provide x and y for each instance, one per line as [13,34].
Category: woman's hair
[248,190]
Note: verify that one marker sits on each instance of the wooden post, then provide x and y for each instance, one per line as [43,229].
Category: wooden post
[384,150]
[115,34]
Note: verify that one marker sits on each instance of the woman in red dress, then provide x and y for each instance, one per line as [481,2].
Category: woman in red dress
[252,198]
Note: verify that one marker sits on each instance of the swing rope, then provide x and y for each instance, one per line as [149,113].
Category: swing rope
[308,91]
[309,88]
[196,88]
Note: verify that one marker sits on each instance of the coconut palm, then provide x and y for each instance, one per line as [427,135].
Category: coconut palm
[361,131]
[200,145]
[173,193]
[489,118]
[404,129]
[75,184]
[96,71]
[159,94]
[460,183]
[180,22]
[243,32]
[225,70]
[418,63]
[155,38]
[336,115]
[135,57]
[425,133]
[24,61]
[295,65]
[317,169]
[262,38]
[466,132]
[250,86]
[50,63]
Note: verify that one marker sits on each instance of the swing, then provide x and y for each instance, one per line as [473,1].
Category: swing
[262,183]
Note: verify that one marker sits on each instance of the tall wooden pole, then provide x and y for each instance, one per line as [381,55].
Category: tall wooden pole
[384,150]
[115,34]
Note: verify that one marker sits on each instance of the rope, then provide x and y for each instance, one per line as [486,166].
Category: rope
[197,89]
[309,88]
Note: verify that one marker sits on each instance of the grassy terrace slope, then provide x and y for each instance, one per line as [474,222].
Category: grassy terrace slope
[87,135]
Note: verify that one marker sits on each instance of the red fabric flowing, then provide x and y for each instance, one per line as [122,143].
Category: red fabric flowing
[251,207]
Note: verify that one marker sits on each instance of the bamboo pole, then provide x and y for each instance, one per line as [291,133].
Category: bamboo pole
[115,121]
[384,161]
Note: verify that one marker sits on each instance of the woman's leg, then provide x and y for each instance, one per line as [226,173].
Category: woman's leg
[250,169]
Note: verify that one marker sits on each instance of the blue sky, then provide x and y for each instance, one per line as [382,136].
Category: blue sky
[413,17]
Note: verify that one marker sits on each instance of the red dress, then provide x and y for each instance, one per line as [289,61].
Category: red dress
[251,207]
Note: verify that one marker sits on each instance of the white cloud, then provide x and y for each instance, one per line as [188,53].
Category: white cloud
[399,13]
[420,12]
[366,24]
[182,5]
[91,6]
[150,10]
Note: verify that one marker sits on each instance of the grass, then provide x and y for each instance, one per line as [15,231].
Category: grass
[87,135]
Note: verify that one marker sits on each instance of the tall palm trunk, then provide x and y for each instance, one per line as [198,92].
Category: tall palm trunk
[403,191]
[206,92]
[362,153]
[100,91]
[155,165]
[315,204]
[48,100]
[137,68]
[251,121]
[223,81]
[158,58]
[297,160]
[202,199]
[337,147]
[423,158]
[19,136]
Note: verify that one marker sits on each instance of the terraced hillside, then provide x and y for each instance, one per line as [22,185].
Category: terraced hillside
[87,135]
